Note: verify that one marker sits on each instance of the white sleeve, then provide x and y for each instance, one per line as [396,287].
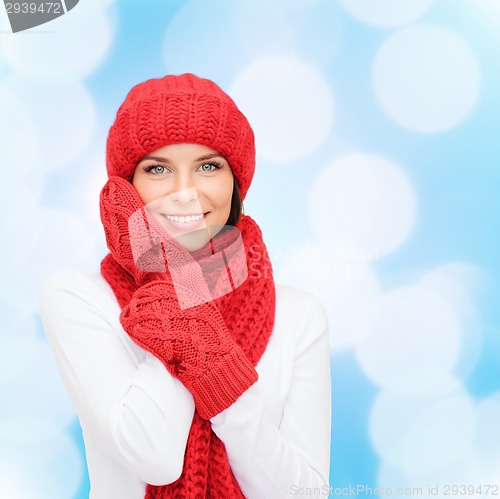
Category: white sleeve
[135,411]
[294,458]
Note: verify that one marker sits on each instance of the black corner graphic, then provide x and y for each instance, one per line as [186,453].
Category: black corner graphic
[26,14]
[70,4]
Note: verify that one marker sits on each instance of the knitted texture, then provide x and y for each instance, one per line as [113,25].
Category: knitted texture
[177,109]
[194,344]
[212,347]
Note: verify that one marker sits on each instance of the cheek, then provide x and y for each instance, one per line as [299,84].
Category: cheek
[148,191]
[221,192]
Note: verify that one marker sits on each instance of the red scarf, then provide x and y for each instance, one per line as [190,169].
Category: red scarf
[248,312]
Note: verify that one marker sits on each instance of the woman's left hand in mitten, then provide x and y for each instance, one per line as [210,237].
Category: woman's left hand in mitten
[193,343]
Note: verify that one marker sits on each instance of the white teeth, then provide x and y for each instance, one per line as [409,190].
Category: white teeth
[188,219]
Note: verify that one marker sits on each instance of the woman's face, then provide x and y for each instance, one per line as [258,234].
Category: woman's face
[188,189]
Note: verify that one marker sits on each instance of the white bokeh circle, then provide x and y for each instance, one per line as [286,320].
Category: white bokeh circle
[15,356]
[64,241]
[424,433]
[461,284]
[86,194]
[71,46]
[20,138]
[18,338]
[22,180]
[276,33]
[389,477]
[38,392]
[292,27]
[386,13]
[12,479]
[363,201]
[461,281]
[435,484]
[343,280]
[289,104]
[20,228]
[426,78]
[67,241]
[195,50]
[65,116]
[488,432]
[408,328]
[47,460]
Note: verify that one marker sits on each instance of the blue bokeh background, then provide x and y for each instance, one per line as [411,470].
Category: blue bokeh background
[377,128]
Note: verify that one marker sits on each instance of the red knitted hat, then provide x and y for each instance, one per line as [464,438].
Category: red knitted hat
[177,109]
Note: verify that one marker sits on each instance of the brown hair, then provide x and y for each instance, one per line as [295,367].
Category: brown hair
[236,205]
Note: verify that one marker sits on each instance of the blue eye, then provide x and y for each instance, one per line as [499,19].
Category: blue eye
[211,167]
[155,169]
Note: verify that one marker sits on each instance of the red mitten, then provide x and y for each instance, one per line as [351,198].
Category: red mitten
[193,343]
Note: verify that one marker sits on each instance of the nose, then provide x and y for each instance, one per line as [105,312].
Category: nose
[184,189]
[184,195]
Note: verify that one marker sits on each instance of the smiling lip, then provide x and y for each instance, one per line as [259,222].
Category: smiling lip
[185,226]
[183,214]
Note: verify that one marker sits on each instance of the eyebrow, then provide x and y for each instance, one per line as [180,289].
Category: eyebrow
[166,160]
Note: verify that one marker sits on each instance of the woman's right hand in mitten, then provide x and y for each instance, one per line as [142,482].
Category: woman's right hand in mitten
[193,343]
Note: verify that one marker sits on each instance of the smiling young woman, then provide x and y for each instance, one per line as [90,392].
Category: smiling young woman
[192,373]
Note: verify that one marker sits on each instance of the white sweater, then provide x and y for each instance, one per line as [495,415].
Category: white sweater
[136,417]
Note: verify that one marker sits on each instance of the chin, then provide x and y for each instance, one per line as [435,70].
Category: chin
[193,241]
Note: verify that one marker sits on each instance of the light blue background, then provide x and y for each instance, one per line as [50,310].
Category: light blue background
[377,126]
